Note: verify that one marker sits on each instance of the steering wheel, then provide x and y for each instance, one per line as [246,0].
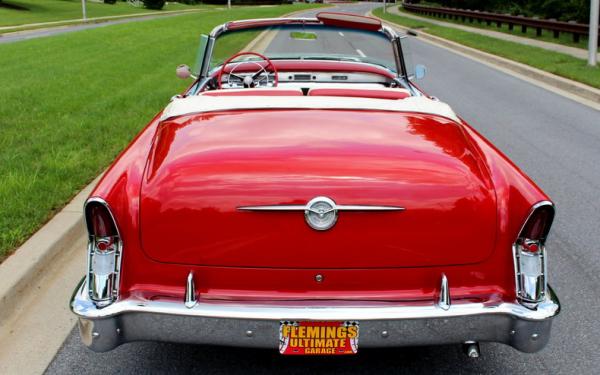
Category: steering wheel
[254,79]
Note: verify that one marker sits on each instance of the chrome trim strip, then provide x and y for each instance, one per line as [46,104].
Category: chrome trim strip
[326,217]
[338,207]
[386,30]
[283,207]
[83,307]
[343,207]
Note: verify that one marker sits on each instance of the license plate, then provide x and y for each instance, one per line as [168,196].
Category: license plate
[318,338]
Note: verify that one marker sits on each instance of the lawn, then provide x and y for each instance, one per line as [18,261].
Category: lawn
[553,62]
[35,11]
[547,36]
[71,102]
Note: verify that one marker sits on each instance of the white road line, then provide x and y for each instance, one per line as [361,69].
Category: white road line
[360,53]
[341,33]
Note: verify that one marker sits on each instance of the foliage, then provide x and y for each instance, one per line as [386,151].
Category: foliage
[531,32]
[566,10]
[246,2]
[154,4]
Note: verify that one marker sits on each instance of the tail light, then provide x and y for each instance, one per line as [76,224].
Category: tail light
[104,253]
[530,255]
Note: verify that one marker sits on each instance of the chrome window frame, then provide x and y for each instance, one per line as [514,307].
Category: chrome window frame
[395,39]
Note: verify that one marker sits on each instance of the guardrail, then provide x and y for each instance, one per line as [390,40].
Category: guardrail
[557,27]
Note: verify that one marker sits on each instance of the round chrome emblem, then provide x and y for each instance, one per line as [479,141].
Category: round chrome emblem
[321,213]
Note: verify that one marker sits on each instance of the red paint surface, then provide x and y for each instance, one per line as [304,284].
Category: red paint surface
[349,20]
[466,203]
[203,167]
[254,92]
[346,20]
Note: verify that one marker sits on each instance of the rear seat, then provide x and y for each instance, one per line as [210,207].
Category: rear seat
[255,92]
[383,93]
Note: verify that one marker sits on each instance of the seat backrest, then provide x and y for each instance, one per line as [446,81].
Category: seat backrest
[254,92]
[383,93]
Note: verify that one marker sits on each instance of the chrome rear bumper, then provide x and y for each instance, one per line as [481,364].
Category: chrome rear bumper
[257,325]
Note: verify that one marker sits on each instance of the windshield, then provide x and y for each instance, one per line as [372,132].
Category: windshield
[309,42]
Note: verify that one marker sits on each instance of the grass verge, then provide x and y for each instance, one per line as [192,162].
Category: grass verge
[71,102]
[35,11]
[547,36]
[552,62]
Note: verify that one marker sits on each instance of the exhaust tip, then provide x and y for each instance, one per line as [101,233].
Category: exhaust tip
[471,349]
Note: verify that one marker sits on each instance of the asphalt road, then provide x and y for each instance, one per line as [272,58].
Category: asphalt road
[555,140]
[50,31]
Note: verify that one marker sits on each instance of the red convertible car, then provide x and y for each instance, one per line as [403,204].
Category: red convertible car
[303,194]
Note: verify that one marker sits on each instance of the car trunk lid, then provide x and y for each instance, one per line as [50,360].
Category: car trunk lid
[203,168]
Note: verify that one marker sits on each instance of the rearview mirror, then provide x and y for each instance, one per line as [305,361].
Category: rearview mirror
[184,72]
[420,71]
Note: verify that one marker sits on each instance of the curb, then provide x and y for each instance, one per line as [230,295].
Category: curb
[22,269]
[589,95]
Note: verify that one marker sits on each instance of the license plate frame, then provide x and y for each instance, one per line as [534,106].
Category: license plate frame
[318,337]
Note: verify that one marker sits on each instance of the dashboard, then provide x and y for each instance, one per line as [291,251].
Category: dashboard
[264,79]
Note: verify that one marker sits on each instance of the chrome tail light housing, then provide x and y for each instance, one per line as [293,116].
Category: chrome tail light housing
[531,273]
[104,252]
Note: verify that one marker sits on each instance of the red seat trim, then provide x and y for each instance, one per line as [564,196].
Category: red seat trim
[360,93]
[254,92]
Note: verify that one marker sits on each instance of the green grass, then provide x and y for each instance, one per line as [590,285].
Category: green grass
[59,10]
[547,36]
[71,102]
[302,35]
[552,62]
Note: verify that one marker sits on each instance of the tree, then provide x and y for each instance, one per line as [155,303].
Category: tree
[565,10]
[154,4]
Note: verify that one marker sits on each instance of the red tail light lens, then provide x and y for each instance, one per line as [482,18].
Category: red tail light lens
[100,222]
[538,224]
[530,246]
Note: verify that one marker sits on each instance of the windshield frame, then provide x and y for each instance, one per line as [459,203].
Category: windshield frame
[261,24]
